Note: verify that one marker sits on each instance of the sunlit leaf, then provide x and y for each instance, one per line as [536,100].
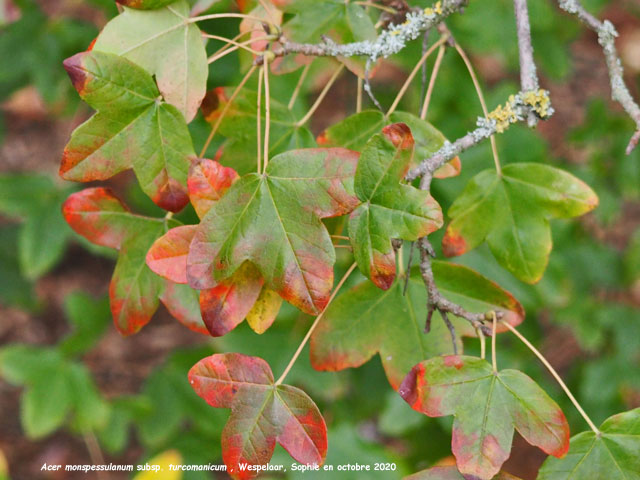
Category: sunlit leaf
[612,455]
[167,46]
[389,209]
[207,182]
[487,406]
[132,129]
[512,211]
[145,4]
[262,413]
[273,220]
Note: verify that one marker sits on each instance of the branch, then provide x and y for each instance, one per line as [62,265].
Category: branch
[528,74]
[389,42]
[606,37]
[515,110]
[437,301]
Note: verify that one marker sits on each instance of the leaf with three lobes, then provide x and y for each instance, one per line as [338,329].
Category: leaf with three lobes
[612,455]
[135,291]
[262,413]
[132,129]
[232,300]
[388,209]
[487,407]
[366,320]
[512,211]
[145,4]
[451,473]
[239,125]
[355,131]
[274,221]
[167,46]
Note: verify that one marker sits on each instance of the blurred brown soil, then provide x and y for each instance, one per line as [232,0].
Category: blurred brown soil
[34,142]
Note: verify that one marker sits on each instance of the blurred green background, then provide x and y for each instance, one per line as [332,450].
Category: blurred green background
[73,391]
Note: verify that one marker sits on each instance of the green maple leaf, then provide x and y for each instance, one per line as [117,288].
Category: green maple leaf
[511,212]
[355,131]
[167,46]
[388,209]
[612,455]
[365,320]
[135,291]
[487,406]
[273,220]
[133,128]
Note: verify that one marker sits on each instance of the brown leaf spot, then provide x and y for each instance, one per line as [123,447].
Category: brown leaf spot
[453,244]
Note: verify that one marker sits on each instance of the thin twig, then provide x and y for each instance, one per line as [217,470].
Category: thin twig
[528,73]
[359,96]
[296,91]
[95,453]
[320,98]
[555,375]
[315,324]
[494,334]
[607,38]
[259,119]
[452,331]
[409,264]
[432,82]
[476,84]
[483,343]
[267,115]
[414,72]
[367,85]
[226,109]
[423,83]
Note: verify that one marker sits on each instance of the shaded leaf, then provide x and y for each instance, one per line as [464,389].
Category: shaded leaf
[132,129]
[366,320]
[183,304]
[240,127]
[389,209]
[273,220]
[135,291]
[612,455]
[166,46]
[511,212]
[450,473]
[262,413]
[487,407]
[477,294]
[355,131]
[89,317]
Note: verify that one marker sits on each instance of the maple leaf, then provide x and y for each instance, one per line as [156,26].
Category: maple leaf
[231,300]
[389,209]
[166,45]
[612,455]
[274,221]
[135,291]
[262,413]
[132,129]
[365,320]
[354,131]
[487,406]
[511,211]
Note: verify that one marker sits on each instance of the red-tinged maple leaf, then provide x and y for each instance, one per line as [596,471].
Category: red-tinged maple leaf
[262,413]
[487,406]
[274,221]
[207,182]
[132,129]
[135,291]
